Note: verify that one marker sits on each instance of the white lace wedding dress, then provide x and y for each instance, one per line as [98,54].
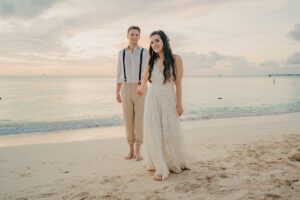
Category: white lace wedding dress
[163,146]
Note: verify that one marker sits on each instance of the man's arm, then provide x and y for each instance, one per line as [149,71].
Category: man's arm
[119,82]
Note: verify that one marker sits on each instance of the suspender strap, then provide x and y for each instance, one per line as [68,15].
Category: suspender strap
[140,70]
[125,79]
[141,62]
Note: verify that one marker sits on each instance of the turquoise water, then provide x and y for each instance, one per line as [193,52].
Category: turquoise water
[45,104]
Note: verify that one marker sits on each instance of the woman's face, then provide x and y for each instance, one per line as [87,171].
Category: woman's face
[156,43]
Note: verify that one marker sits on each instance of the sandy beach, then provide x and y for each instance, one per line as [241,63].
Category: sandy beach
[234,158]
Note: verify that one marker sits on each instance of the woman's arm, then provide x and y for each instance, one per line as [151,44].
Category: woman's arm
[179,74]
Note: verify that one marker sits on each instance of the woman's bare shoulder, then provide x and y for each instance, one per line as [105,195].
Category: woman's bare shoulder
[177,58]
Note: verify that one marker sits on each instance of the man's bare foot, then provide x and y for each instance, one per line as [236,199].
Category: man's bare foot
[137,152]
[157,177]
[129,156]
[138,157]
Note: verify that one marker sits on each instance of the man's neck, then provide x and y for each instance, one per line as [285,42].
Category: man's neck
[132,47]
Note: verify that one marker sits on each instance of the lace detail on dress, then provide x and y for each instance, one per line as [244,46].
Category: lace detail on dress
[163,144]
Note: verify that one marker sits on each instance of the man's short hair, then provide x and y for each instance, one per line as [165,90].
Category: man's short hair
[133,27]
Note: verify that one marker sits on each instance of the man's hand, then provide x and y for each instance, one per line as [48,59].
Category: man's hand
[140,91]
[118,98]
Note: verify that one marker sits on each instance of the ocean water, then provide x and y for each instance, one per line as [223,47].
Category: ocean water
[46,104]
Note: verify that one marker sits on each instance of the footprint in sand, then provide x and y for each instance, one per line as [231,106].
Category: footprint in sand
[187,187]
[223,175]
[210,177]
[215,189]
[278,182]
[131,180]
[290,182]
[154,195]
[110,179]
[295,157]
[270,196]
[82,195]
[287,182]
[45,195]
[110,196]
[25,174]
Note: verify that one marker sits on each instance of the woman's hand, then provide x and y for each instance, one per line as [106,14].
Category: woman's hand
[179,109]
[140,91]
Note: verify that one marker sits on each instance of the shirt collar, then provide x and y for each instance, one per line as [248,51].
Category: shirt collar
[136,48]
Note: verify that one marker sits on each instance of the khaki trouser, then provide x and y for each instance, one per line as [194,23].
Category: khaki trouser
[133,112]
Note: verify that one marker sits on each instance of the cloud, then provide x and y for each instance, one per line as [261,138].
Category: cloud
[31,45]
[79,12]
[81,33]
[24,9]
[294,59]
[34,27]
[214,63]
[295,33]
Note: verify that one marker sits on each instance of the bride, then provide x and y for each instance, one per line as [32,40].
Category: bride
[163,147]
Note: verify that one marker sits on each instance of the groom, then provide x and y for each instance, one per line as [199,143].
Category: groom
[132,62]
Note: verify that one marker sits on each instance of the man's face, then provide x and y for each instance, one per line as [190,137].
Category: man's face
[133,36]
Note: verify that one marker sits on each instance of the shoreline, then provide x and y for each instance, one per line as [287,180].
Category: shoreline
[50,127]
[85,134]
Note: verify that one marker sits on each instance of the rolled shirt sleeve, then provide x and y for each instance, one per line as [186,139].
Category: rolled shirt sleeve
[119,68]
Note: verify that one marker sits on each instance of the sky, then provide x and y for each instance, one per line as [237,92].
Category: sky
[83,37]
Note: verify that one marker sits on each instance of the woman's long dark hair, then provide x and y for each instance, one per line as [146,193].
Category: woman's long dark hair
[169,61]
